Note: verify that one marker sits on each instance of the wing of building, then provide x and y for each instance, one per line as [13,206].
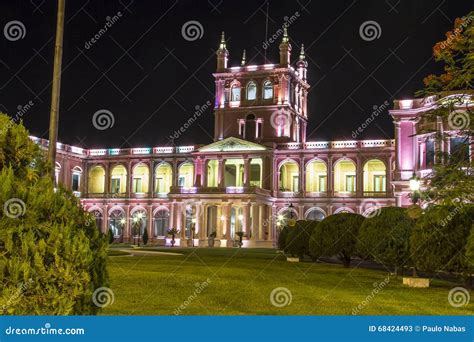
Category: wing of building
[258,172]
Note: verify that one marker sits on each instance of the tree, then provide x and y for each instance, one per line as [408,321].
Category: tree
[439,239]
[452,179]
[336,235]
[297,241]
[470,251]
[53,257]
[145,236]
[110,236]
[385,238]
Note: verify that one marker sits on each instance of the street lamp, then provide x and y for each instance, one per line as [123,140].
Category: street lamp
[291,221]
[137,220]
[193,229]
[415,188]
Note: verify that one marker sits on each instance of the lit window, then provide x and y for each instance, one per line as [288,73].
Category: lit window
[251,91]
[267,90]
[75,181]
[235,93]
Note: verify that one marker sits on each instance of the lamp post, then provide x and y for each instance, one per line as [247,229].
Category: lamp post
[291,221]
[122,223]
[137,221]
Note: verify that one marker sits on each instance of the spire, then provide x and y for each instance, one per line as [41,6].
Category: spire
[285,35]
[222,54]
[285,49]
[243,59]
[302,55]
[222,45]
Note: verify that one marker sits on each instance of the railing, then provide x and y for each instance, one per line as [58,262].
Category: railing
[315,145]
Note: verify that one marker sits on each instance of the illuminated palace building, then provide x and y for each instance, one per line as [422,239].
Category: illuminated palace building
[259,172]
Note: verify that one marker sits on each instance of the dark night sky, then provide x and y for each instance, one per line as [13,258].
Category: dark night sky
[151,78]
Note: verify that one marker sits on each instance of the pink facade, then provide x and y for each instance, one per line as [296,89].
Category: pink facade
[258,165]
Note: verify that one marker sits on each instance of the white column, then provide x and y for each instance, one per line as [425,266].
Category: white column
[254,225]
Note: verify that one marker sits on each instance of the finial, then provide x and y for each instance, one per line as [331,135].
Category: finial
[243,59]
[302,55]
[285,35]
[222,44]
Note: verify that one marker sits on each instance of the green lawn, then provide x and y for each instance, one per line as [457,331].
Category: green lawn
[241,281]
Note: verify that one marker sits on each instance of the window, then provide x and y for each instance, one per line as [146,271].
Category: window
[161,222]
[235,93]
[430,153]
[250,127]
[350,183]
[459,149]
[322,183]
[259,129]
[251,91]
[181,180]
[137,185]
[115,186]
[75,181]
[379,183]
[267,90]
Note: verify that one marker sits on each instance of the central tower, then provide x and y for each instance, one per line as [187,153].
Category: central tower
[263,103]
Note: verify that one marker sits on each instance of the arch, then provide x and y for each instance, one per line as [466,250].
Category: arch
[345,176]
[161,221]
[138,220]
[316,176]
[371,212]
[163,178]
[289,176]
[343,210]
[251,90]
[375,176]
[76,174]
[315,214]
[267,90]
[98,214]
[96,180]
[117,221]
[118,179]
[235,92]
[186,175]
[141,176]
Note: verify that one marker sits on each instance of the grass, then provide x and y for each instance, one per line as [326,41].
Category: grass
[241,281]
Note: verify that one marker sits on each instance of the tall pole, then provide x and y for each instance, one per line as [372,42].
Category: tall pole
[56,88]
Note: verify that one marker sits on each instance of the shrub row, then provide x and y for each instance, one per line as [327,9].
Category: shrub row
[441,239]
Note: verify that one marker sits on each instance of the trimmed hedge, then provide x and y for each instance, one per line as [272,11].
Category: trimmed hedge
[297,241]
[385,238]
[336,235]
[439,239]
[282,238]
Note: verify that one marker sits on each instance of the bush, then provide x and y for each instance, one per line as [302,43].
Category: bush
[470,251]
[297,240]
[110,236]
[385,238]
[53,256]
[336,235]
[282,238]
[439,239]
